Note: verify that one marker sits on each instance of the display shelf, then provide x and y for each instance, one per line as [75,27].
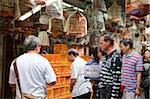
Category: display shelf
[60,48]
[67,75]
[62,97]
[55,87]
[58,91]
[65,97]
[62,68]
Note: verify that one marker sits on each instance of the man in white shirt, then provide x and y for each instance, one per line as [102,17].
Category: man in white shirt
[79,86]
[34,71]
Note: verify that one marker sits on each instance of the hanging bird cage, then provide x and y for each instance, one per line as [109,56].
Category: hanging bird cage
[76,25]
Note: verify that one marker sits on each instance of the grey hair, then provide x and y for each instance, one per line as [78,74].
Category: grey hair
[31,42]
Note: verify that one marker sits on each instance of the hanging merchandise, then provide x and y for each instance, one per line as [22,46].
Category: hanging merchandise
[99,5]
[132,1]
[128,21]
[32,3]
[17,9]
[116,37]
[44,19]
[114,13]
[137,42]
[93,33]
[133,30]
[96,21]
[135,37]
[44,39]
[147,28]
[55,9]
[99,18]
[95,26]
[76,25]
[145,1]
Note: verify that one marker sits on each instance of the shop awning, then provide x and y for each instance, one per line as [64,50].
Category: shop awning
[138,9]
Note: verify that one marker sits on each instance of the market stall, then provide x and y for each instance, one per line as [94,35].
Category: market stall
[64,24]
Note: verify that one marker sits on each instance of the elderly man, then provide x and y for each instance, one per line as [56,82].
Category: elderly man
[79,86]
[110,80]
[30,72]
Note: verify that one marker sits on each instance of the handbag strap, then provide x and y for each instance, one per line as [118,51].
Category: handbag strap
[17,75]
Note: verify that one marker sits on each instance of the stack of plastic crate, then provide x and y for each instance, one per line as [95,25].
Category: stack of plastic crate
[61,66]
[60,49]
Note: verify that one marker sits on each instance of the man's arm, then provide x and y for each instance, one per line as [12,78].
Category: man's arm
[139,75]
[72,83]
[139,69]
[12,77]
[13,86]
[49,74]
[74,75]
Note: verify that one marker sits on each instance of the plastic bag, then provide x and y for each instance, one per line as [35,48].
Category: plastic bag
[92,70]
[55,9]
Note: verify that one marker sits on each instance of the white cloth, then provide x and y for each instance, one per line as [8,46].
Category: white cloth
[44,40]
[44,19]
[54,8]
[34,72]
[82,85]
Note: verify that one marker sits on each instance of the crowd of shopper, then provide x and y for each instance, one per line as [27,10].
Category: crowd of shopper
[120,76]
[115,76]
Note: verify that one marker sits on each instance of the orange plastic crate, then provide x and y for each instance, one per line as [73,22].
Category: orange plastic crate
[56,70]
[50,93]
[56,92]
[60,48]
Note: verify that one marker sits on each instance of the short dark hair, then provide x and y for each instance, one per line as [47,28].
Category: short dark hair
[73,52]
[107,37]
[147,50]
[95,52]
[127,42]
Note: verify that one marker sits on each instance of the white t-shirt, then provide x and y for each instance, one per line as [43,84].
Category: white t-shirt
[34,72]
[82,86]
